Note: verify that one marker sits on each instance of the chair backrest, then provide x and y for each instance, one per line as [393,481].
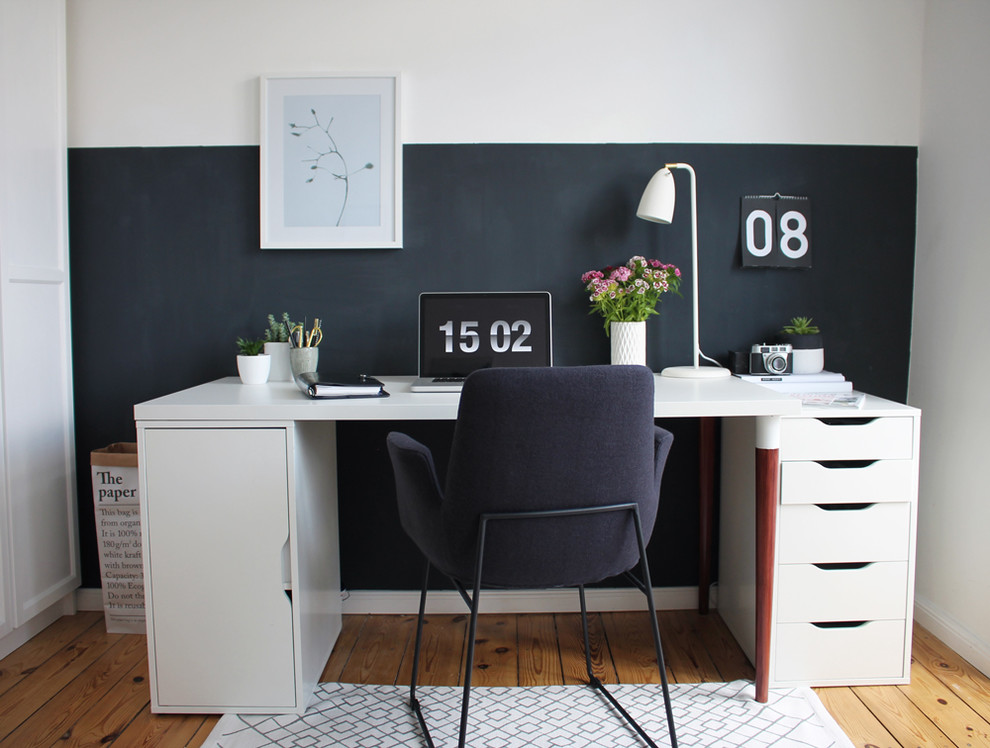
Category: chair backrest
[547,439]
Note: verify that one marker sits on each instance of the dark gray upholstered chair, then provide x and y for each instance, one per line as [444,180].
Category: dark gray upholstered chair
[553,481]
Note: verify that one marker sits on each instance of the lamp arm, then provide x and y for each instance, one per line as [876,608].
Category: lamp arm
[695,301]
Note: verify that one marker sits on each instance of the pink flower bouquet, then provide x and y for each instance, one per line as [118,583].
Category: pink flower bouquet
[630,292]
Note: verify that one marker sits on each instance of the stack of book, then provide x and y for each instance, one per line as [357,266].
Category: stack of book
[823,381]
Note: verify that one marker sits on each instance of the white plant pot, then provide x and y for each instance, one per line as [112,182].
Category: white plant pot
[628,341]
[254,369]
[280,371]
[808,360]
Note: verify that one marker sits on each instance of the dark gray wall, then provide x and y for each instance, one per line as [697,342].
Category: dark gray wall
[166,272]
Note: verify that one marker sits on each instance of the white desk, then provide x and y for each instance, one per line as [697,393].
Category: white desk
[239,526]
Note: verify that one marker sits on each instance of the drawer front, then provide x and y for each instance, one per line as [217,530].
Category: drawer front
[876,591]
[806,653]
[809,482]
[809,533]
[847,439]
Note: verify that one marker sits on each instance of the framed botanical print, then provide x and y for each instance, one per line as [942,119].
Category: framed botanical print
[331,162]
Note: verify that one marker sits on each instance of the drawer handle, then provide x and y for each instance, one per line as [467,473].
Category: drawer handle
[844,507]
[845,566]
[844,464]
[862,421]
[838,624]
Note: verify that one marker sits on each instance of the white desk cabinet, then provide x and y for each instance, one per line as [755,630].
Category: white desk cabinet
[845,544]
[242,587]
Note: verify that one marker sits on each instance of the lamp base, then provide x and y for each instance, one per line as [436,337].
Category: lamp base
[695,372]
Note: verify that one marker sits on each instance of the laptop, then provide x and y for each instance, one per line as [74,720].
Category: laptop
[462,332]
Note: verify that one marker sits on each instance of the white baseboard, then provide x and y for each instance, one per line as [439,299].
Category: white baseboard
[492,601]
[518,601]
[22,634]
[963,641]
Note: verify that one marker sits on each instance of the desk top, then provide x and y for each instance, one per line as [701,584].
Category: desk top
[229,400]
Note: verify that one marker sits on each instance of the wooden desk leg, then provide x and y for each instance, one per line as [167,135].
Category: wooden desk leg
[767,479]
[706,509]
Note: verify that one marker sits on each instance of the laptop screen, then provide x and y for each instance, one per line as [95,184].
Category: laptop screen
[462,332]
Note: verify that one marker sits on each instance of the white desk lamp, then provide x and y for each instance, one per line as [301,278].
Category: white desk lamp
[657,205]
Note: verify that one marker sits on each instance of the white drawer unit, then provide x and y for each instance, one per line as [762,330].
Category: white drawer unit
[844,544]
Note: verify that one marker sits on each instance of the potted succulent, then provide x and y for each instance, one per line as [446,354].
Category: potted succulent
[253,365]
[277,346]
[807,344]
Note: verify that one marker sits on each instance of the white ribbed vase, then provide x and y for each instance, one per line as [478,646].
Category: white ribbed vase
[628,342]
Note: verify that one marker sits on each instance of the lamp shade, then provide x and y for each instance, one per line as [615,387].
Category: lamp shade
[657,203]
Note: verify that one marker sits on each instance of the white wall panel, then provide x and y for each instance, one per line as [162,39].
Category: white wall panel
[32,139]
[38,531]
[184,72]
[41,477]
[950,295]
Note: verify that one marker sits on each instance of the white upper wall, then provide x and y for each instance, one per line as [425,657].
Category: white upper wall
[185,72]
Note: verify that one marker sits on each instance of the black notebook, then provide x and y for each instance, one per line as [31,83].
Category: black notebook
[320,385]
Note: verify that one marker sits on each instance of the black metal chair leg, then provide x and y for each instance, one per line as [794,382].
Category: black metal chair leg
[475,599]
[595,683]
[468,669]
[651,605]
[472,631]
[587,640]
[419,634]
[413,701]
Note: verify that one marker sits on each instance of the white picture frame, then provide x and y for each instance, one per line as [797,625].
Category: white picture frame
[331,161]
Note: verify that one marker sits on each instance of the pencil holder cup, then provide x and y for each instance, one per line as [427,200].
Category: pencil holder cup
[302,360]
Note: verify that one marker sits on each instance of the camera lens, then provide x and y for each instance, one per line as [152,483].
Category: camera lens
[776,364]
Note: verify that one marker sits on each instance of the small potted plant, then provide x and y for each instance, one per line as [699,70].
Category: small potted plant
[253,365]
[277,346]
[807,344]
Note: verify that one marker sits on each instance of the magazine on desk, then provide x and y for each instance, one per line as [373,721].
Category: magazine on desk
[320,385]
[830,399]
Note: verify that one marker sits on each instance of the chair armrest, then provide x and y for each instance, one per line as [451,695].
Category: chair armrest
[662,441]
[417,490]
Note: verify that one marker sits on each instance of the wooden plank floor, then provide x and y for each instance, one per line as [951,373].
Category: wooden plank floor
[76,685]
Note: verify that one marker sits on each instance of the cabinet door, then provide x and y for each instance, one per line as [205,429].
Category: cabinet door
[217,521]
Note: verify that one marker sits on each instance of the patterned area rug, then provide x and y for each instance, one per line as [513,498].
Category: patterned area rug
[722,715]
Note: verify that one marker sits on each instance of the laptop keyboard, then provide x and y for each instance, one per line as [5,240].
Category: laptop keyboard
[448,379]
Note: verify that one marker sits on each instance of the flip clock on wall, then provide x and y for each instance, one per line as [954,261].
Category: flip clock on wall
[775,231]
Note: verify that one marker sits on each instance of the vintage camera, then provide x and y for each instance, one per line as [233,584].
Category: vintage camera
[771,359]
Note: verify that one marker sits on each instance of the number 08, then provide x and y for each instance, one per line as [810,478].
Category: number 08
[792,227]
